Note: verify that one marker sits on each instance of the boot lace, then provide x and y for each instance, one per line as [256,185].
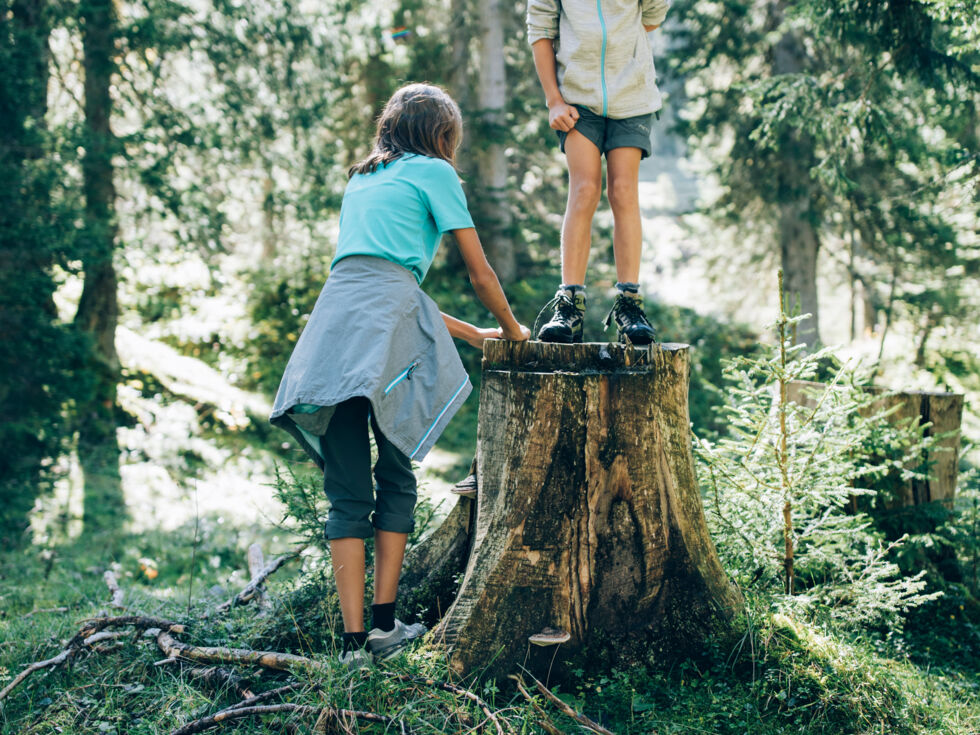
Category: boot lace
[564,307]
[629,309]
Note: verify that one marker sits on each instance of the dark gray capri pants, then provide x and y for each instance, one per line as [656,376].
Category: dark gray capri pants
[358,506]
[608,133]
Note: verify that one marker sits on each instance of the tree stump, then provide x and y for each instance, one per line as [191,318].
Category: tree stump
[589,518]
[939,413]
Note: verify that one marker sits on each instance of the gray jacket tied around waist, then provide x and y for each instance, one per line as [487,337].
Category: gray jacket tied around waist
[373,333]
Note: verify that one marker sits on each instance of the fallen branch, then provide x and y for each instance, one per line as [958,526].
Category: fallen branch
[37,666]
[117,593]
[91,632]
[173,648]
[263,696]
[331,713]
[94,625]
[252,588]
[32,613]
[544,720]
[579,718]
[218,677]
[256,563]
[104,635]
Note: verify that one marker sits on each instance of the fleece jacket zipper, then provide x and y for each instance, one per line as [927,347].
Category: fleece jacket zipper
[602,61]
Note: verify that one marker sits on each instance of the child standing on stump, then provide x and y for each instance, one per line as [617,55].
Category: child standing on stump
[377,351]
[596,69]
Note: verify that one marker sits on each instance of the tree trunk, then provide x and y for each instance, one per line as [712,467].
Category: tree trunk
[98,310]
[589,516]
[29,403]
[799,241]
[496,221]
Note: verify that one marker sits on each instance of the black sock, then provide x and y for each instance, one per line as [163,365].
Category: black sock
[354,640]
[627,287]
[383,616]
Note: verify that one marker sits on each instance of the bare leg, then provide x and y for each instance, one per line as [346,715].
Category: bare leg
[584,190]
[347,555]
[389,551]
[622,188]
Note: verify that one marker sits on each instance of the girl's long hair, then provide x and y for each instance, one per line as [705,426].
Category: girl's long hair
[419,118]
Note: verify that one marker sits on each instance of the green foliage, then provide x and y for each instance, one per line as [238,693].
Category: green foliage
[854,113]
[783,487]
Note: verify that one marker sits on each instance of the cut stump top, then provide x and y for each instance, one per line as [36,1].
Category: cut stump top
[588,357]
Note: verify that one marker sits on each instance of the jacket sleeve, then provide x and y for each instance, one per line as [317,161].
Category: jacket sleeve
[653,11]
[542,19]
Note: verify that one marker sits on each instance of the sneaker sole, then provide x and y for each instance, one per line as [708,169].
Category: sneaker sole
[391,651]
[576,340]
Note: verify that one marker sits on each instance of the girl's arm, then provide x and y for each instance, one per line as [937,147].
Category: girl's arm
[561,116]
[487,286]
[472,334]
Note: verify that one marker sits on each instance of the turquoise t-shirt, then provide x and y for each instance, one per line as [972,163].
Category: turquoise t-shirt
[400,211]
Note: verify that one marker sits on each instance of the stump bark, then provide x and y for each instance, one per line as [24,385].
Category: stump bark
[589,518]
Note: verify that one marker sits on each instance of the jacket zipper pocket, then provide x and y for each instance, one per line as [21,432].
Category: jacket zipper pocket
[405,374]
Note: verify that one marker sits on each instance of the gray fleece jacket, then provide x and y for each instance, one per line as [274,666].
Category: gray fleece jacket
[603,58]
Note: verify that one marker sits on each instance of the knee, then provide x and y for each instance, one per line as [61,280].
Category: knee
[584,193]
[623,193]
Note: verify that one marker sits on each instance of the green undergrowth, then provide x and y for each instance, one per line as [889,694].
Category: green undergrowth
[786,675]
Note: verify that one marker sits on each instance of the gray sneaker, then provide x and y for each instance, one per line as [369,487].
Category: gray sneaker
[358,659]
[385,644]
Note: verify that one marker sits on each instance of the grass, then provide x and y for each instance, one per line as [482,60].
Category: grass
[788,675]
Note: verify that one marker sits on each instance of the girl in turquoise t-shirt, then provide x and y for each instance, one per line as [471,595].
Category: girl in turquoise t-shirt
[377,352]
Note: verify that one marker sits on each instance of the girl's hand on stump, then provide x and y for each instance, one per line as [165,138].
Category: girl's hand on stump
[521,334]
[480,335]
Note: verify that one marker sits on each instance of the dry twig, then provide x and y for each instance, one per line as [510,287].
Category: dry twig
[32,613]
[331,713]
[544,720]
[90,633]
[218,677]
[579,718]
[252,588]
[446,686]
[37,666]
[94,625]
[117,592]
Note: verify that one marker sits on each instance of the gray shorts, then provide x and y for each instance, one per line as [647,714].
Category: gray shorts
[358,506]
[608,133]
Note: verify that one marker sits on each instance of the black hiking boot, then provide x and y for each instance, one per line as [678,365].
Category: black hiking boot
[565,325]
[632,324]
